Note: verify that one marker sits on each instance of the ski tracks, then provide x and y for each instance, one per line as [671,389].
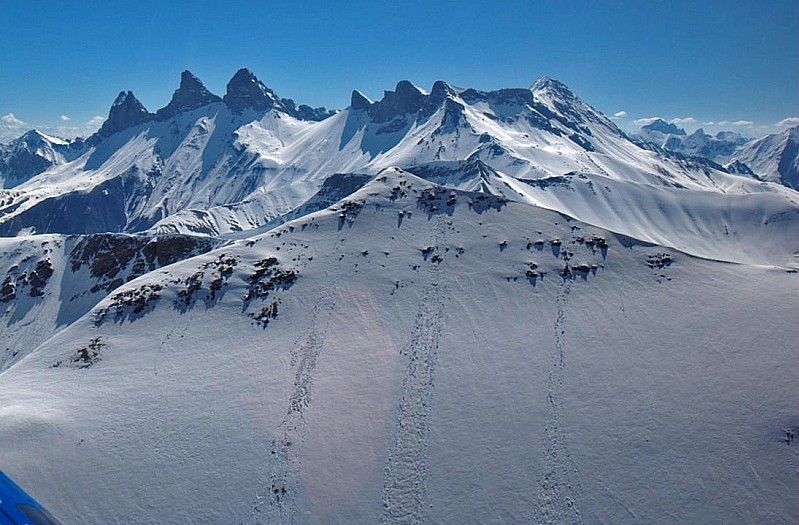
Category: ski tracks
[559,485]
[404,490]
[280,503]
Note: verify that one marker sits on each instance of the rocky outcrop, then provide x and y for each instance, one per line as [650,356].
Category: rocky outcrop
[191,94]
[125,113]
[245,91]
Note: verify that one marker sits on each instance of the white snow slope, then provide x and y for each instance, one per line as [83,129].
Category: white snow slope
[775,157]
[417,354]
[212,171]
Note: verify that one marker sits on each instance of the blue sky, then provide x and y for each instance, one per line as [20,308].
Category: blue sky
[706,60]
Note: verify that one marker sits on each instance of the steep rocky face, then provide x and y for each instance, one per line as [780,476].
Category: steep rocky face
[304,112]
[245,91]
[125,113]
[25,157]
[191,94]
[406,98]
[359,101]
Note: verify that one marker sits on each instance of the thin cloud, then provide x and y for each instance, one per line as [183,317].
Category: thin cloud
[64,118]
[741,123]
[646,120]
[12,121]
[683,121]
[619,115]
[94,123]
[788,122]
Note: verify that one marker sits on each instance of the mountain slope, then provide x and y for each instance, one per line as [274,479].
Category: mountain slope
[49,281]
[33,153]
[718,148]
[774,158]
[419,354]
[252,157]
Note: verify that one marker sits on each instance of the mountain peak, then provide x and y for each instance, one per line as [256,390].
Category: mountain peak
[125,112]
[406,98]
[662,126]
[548,84]
[245,91]
[191,94]
[359,101]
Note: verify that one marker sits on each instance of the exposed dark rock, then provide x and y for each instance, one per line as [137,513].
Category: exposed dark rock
[304,112]
[358,101]
[245,91]
[406,98]
[125,113]
[110,258]
[191,94]
[739,168]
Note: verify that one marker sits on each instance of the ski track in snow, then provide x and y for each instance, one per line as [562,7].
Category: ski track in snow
[280,504]
[560,485]
[404,490]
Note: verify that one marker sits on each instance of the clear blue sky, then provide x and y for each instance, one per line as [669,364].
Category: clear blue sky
[705,59]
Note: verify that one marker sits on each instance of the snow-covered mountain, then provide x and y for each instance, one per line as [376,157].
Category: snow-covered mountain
[454,306]
[774,158]
[718,148]
[417,353]
[33,153]
[49,281]
[211,166]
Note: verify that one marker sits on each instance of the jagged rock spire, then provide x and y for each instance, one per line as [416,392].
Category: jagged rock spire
[359,101]
[245,91]
[191,94]
[125,113]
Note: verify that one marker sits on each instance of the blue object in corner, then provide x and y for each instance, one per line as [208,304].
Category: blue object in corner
[18,508]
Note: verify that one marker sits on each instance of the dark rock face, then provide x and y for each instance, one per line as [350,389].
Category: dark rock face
[125,113]
[303,112]
[358,101]
[114,259]
[23,160]
[406,98]
[191,94]
[245,91]
[437,97]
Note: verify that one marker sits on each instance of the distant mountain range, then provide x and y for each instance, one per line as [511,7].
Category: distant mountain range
[205,163]
[772,158]
[444,306]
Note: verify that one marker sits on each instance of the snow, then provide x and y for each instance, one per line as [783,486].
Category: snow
[397,386]
[270,163]
[502,311]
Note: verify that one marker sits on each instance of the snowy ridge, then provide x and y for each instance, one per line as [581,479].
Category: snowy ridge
[418,353]
[444,306]
[774,158]
[255,157]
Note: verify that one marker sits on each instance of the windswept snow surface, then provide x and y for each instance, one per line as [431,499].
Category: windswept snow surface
[420,354]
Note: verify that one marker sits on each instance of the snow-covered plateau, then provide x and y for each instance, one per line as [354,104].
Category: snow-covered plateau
[451,306]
